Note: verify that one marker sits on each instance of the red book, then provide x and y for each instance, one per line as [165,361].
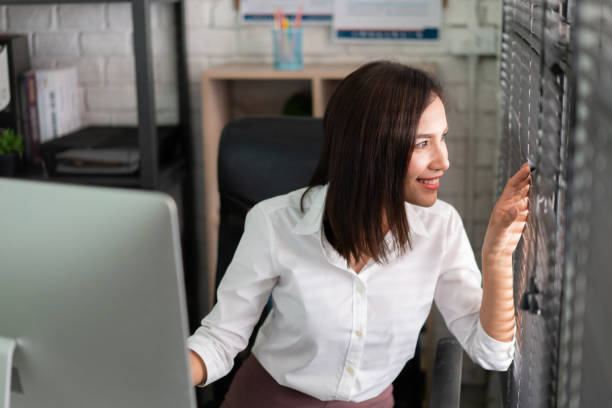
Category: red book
[30,117]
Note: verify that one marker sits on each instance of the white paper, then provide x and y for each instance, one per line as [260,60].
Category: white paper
[262,11]
[386,20]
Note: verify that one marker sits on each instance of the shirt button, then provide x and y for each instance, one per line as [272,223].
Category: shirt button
[358,333]
[360,289]
[350,370]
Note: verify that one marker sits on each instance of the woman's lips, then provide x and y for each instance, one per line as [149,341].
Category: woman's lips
[430,183]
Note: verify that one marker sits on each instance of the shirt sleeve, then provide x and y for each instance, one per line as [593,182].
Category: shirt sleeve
[241,296]
[458,296]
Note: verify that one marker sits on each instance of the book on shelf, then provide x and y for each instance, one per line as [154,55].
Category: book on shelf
[53,102]
[30,117]
[117,161]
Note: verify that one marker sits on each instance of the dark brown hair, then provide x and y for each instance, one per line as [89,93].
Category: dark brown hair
[370,125]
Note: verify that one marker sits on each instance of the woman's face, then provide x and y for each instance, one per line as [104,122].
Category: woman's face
[429,158]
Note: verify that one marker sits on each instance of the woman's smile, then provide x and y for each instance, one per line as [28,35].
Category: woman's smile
[430,184]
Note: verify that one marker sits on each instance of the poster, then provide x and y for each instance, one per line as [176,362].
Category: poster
[262,11]
[386,20]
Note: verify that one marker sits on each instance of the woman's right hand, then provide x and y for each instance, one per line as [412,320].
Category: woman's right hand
[198,368]
[508,217]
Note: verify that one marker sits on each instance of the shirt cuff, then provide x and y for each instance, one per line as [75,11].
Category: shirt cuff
[494,354]
[206,354]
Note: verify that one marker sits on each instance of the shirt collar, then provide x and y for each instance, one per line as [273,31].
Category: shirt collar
[313,217]
[415,214]
[312,220]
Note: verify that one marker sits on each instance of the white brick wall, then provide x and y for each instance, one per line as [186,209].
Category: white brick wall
[111,98]
[56,44]
[106,44]
[162,42]
[3,19]
[254,41]
[90,71]
[208,41]
[164,70]
[119,16]
[30,18]
[120,70]
[198,13]
[223,14]
[162,16]
[82,17]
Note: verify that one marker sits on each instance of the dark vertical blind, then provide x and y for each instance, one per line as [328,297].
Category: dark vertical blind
[536,98]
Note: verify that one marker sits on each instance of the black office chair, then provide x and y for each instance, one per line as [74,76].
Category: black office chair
[264,156]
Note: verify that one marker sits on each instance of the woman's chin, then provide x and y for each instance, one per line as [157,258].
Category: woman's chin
[423,202]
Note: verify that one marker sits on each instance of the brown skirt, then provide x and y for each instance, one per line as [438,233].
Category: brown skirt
[253,387]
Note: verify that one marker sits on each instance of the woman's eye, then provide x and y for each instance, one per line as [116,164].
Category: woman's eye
[444,136]
[421,145]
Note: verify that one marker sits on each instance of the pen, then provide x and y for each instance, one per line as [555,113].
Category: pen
[281,17]
[298,17]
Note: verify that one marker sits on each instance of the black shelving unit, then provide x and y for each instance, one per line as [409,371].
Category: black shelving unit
[150,173]
[156,171]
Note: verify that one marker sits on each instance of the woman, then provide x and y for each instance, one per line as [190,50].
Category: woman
[354,261]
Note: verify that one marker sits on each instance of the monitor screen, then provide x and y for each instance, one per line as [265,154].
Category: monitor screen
[92,298]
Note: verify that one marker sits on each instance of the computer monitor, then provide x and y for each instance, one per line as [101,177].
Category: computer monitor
[92,297]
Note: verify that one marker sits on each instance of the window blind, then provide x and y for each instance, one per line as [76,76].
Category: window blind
[535,73]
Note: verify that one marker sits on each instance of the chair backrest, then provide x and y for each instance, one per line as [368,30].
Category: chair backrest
[261,157]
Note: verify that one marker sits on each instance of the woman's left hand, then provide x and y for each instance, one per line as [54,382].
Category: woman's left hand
[508,217]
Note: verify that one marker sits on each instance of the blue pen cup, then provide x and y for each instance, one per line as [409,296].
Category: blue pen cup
[287,49]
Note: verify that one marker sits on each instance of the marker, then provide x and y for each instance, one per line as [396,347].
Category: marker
[298,17]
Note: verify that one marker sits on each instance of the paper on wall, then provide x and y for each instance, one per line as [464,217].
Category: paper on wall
[386,20]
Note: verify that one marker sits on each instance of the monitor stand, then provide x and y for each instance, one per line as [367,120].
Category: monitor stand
[7,348]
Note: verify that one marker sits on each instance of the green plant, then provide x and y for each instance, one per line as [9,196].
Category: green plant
[10,142]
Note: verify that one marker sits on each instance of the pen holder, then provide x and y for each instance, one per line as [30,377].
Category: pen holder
[287,48]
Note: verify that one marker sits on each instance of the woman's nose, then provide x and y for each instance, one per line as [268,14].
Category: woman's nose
[440,160]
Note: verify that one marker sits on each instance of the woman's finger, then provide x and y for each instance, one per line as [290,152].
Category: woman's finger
[511,194]
[520,176]
[522,204]
[522,200]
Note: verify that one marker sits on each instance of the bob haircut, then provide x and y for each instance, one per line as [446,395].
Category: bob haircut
[369,127]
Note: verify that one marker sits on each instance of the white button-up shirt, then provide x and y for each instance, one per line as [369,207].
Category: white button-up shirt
[332,333]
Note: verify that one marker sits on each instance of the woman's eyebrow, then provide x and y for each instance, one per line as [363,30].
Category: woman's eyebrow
[430,135]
